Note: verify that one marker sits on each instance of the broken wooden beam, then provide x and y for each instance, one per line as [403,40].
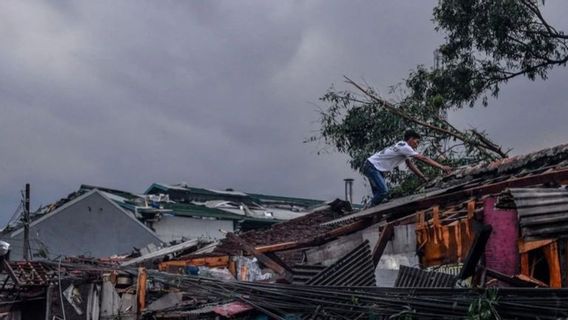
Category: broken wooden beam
[283,246]
[475,251]
[386,235]
[141,290]
[277,266]
[516,280]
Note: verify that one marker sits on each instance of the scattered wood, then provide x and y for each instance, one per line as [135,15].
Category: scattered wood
[386,236]
[277,266]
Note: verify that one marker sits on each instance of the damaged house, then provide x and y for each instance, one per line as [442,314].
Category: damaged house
[178,212]
[89,225]
[437,254]
[502,222]
[498,224]
[199,212]
[98,221]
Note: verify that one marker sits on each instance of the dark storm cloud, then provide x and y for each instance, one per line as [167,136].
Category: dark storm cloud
[215,93]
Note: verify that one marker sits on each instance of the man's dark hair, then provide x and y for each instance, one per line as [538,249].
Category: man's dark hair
[411,134]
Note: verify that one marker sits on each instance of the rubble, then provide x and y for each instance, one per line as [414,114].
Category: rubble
[489,236]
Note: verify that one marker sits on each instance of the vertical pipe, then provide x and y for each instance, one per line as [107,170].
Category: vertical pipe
[348,190]
[48,297]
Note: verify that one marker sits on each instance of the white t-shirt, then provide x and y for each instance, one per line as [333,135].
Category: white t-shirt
[389,158]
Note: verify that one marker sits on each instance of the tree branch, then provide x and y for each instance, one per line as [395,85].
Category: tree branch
[534,9]
[458,135]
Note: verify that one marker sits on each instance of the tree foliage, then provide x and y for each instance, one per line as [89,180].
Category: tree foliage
[487,43]
[362,123]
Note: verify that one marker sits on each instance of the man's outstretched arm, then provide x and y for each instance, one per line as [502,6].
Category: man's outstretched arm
[415,169]
[433,163]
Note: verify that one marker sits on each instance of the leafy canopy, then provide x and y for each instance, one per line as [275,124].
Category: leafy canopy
[487,43]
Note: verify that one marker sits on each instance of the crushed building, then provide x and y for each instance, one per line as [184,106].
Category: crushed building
[488,238]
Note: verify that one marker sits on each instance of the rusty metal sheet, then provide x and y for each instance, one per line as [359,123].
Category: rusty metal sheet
[444,244]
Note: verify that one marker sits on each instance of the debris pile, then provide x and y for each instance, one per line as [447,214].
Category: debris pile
[490,239]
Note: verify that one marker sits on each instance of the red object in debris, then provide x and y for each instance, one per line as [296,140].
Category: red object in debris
[232,309]
[501,252]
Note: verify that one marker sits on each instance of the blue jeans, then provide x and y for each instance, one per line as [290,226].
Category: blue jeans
[377,181]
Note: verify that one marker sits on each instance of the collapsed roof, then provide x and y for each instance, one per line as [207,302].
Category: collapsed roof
[547,167]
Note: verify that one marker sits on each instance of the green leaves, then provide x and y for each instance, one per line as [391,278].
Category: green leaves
[484,307]
[360,125]
[489,42]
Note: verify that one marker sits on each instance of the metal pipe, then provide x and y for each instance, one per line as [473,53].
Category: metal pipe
[348,189]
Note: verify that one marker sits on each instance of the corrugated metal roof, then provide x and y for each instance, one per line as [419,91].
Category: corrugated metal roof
[193,210]
[354,269]
[264,199]
[409,277]
[303,273]
[272,199]
[543,213]
[162,252]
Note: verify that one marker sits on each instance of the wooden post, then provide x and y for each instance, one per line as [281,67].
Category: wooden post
[48,301]
[141,291]
[471,209]
[27,223]
[386,235]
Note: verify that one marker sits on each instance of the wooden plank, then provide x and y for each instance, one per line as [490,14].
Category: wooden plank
[436,216]
[220,261]
[526,246]
[279,247]
[475,252]
[471,209]
[350,228]
[379,248]
[519,280]
[551,254]
[141,290]
[281,270]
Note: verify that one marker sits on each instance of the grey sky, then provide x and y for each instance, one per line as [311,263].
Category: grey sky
[215,93]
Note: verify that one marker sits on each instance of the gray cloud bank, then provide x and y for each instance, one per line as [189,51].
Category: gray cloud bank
[214,93]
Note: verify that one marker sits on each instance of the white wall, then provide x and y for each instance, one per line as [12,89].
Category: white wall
[90,225]
[399,251]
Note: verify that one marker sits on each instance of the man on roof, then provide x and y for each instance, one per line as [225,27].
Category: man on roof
[377,165]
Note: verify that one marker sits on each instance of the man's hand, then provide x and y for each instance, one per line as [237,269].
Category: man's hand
[446,169]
